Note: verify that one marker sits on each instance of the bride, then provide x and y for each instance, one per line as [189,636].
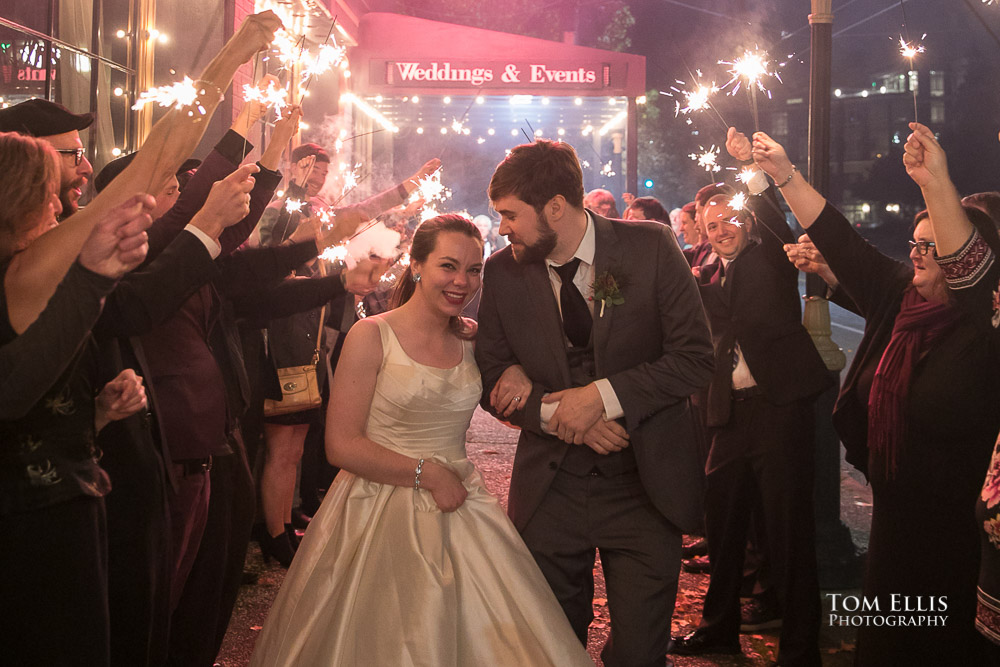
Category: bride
[410,561]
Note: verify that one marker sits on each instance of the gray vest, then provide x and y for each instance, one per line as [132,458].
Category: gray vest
[581,459]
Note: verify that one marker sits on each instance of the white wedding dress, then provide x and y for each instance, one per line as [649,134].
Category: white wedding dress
[384,578]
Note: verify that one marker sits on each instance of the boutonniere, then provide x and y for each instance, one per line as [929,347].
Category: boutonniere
[607,290]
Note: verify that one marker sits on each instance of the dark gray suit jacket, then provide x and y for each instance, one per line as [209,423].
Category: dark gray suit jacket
[655,349]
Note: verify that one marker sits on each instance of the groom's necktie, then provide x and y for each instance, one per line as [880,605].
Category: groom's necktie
[577,320]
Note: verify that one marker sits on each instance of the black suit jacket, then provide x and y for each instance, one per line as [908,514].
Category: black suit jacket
[654,349]
[758,307]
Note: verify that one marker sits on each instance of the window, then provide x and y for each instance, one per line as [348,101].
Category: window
[49,49]
[937,83]
[779,124]
[937,111]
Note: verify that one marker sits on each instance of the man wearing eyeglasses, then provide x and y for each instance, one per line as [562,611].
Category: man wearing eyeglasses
[60,127]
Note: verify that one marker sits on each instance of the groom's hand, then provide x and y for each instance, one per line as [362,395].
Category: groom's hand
[578,409]
[605,437]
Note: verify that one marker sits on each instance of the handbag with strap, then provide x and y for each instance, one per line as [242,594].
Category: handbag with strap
[299,386]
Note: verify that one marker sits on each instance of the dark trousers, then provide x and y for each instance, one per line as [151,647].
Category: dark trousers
[200,620]
[764,459]
[54,586]
[140,565]
[640,553]
[188,505]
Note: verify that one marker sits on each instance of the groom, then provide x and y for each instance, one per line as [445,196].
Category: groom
[603,320]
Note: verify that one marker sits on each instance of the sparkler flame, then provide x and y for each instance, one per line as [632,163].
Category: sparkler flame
[750,70]
[328,57]
[738,201]
[350,176]
[696,99]
[707,158]
[909,51]
[272,97]
[337,253]
[746,175]
[294,205]
[177,95]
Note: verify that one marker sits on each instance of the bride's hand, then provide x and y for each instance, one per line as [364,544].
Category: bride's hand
[446,488]
[511,391]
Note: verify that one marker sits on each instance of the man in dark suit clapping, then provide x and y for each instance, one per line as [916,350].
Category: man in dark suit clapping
[591,339]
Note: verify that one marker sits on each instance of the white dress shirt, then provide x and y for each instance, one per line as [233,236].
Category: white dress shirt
[583,279]
[742,377]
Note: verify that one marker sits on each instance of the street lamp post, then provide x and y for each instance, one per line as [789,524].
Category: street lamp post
[838,563]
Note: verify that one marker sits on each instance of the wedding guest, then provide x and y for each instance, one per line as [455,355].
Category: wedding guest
[967,250]
[647,208]
[60,128]
[916,412]
[601,202]
[51,486]
[759,411]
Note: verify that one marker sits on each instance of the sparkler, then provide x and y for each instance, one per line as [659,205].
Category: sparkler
[909,51]
[431,190]
[696,99]
[177,95]
[294,205]
[738,202]
[746,175]
[749,71]
[272,97]
[350,176]
[707,159]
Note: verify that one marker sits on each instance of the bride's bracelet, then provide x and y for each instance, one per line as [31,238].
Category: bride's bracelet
[416,474]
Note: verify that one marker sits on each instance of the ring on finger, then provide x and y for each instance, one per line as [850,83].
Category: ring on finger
[516,399]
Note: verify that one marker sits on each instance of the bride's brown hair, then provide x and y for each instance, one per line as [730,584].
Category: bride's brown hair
[423,244]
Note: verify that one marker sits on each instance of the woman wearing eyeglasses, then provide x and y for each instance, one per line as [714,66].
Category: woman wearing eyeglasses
[917,413]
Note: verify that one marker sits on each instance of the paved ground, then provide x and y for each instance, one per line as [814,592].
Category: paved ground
[491,446]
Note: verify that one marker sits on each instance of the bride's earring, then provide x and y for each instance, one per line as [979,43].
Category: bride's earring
[416,277]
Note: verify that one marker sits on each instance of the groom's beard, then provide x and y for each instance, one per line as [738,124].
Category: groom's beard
[540,249]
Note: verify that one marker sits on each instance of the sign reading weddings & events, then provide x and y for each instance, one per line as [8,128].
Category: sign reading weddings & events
[496,75]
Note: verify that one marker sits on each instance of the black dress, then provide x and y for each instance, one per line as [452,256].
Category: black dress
[54,554]
[974,277]
[924,538]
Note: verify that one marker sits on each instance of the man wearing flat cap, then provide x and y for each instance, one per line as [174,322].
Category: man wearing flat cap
[60,127]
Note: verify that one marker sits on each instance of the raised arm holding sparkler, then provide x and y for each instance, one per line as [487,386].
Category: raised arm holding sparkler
[35,273]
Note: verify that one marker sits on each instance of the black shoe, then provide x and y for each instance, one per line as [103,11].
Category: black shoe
[757,615]
[293,537]
[278,548]
[699,565]
[698,643]
[697,548]
[300,519]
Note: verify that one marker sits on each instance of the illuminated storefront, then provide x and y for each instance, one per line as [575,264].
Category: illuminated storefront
[467,95]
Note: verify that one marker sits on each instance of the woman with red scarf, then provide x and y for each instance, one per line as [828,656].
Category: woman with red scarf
[917,413]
